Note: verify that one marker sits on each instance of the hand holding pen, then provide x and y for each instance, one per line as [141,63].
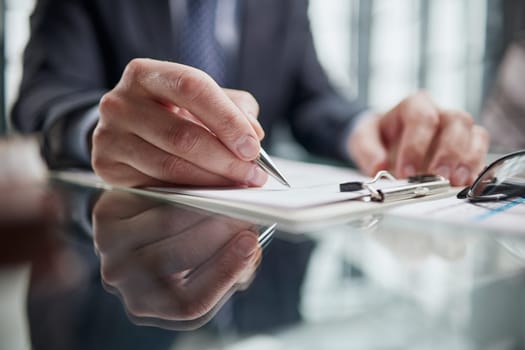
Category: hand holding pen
[170,124]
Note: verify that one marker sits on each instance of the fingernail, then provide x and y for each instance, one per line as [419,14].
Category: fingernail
[246,246]
[248,147]
[462,175]
[443,170]
[409,170]
[257,177]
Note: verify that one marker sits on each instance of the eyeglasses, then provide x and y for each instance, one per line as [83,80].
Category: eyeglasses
[504,178]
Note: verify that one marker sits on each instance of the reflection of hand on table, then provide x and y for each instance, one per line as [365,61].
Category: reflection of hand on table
[172,267]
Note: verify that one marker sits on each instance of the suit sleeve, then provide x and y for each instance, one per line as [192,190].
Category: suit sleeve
[63,76]
[504,112]
[321,119]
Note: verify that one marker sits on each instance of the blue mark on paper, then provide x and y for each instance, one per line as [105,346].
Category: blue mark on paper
[501,209]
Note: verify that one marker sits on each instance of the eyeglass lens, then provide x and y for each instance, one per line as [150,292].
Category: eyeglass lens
[505,178]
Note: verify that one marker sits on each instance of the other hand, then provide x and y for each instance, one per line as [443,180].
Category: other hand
[418,137]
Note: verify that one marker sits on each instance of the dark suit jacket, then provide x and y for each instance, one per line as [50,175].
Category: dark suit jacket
[78,50]
[504,112]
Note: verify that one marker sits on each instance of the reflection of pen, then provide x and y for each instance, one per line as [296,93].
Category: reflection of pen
[267,165]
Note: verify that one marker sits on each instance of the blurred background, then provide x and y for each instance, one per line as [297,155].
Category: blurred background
[380,50]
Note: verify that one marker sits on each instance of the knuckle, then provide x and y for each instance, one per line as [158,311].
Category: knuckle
[171,166]
[97,162]
[229,127]
[136,306]
[112,110]
[191,83]
[183,138]
[111,273]
[430,119]
[466,118]
[234,170]
[459,117]
[483,134]
[135,69]
[101,138]
[109,104]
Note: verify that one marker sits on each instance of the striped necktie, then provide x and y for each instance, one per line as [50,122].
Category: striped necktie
[198,44]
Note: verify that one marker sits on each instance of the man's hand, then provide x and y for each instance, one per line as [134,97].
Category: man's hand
[166,123]
[417,137]
[173,267]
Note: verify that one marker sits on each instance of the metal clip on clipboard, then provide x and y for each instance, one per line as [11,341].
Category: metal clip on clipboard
[417,186]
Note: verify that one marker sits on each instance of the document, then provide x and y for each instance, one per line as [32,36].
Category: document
[313,199]
[311,185]
[498,216]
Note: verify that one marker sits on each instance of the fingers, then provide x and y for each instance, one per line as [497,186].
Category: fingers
[160,240]
[243,100]
[189,88]
[125,175]
[188,299]
[366,146]
[213,280]
[166,123]
[451,145]
[472,160]
[124,222]
[167,148]
[412,124]
[249,106]
[426,139]
[188,249]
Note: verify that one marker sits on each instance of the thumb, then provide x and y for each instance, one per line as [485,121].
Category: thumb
[366,146]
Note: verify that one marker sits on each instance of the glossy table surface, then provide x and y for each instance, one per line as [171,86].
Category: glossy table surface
[84,268]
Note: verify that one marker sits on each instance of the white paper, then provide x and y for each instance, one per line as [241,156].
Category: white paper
[312,185]
[499,216]
[314,199]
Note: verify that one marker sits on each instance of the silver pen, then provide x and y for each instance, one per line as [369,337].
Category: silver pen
[269,167]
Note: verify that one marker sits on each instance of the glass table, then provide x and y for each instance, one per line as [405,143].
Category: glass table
[85,268]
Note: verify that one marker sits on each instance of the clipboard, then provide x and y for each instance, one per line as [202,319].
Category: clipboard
[320,185]
[417,186]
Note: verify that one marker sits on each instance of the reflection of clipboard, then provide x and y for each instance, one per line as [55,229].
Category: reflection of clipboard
[417,186]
